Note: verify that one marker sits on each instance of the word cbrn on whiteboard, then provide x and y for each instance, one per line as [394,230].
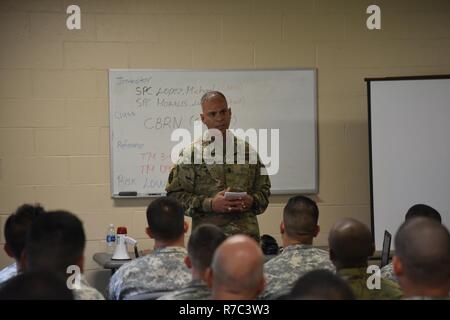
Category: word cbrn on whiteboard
[146,106]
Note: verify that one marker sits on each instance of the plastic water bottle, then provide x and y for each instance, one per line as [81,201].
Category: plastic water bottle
[110,239]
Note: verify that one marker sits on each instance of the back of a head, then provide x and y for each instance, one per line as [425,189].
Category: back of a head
[17,226]
[424,211]
[56,240]
[202,244]
[300,216]
[238,266]
[423,247]
[165,217]
[320,285]
[350,243]
[36,285]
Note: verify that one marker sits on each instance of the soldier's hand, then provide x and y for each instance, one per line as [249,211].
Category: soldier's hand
[223,205]
[247,202]
[241,204]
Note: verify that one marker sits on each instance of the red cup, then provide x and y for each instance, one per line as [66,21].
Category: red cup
[121,230]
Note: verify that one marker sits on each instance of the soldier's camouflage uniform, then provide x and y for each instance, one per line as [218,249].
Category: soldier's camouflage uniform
[427,298]
[194,185]
[86,292]
[161,270]
[8,272]
[357,279]
[282,271]
[194,290]
[387,272]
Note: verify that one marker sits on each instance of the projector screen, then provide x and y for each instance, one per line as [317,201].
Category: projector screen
[409,129]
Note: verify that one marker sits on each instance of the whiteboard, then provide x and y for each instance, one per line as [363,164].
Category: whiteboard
[147,105]
[410,149]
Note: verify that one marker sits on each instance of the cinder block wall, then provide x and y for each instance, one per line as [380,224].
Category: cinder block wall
[54,135]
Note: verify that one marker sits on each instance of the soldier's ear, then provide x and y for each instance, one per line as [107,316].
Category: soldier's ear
[397,266]
[209,277]
[261,286]
[316,231]
[282,227]
[149,232]
[186,227]
[188,262]
[8,250]
[332,256]
[80,263]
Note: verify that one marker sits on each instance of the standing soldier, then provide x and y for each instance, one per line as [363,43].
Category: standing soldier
[201,187]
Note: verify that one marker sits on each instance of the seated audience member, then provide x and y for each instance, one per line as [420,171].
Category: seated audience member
[15,232]
[202,244]
[55,242]
[320,285]
[298,228]
[164,268]
[422,259]
[351,245]
[418,210]
[36,285]
[236,271]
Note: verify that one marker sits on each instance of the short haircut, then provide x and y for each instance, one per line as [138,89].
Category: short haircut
[423,210]
[36,285]
[202,244]
[56,240]
[351,243]
[211,95]
[165,218]
[320,285]
[17,226]
[423,247]
[300,216]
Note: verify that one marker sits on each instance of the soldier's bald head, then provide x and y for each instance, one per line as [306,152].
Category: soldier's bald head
[350,243]
[238,265]
[423,247]
[213,95]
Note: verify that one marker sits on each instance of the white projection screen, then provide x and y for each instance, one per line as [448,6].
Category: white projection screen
[409,129]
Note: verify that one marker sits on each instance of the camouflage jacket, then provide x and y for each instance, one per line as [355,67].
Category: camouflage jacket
[427,298]
[387,272]
[161,270]
[194,290]
[8,272]
[282,271]
[357,279]
[194,185]
[86,292]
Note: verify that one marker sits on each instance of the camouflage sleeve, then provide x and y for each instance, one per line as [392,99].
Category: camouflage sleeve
[181,186]
[261,189]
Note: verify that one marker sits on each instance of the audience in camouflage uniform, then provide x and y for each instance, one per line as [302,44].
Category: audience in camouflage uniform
[164,268]
[298,228]
[236,271]
[422,259]
[202,244]
[15,231]
[351,245]
[418,210]
[55,242]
